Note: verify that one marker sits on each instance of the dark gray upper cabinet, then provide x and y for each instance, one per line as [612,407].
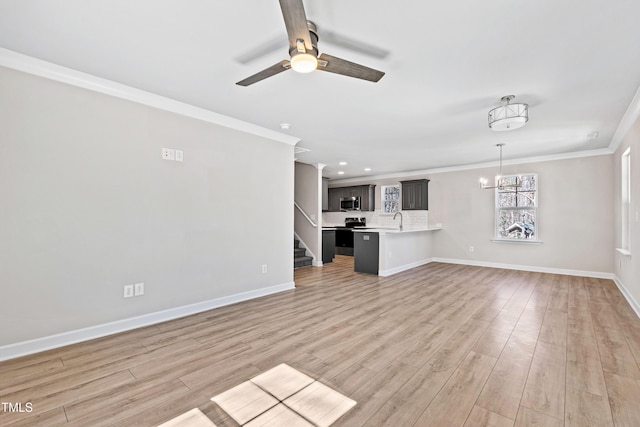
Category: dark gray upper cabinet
[368,198]
[335,194]
[365,192]
[415,195]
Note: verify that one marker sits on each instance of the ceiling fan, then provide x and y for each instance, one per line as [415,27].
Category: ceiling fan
[303,51]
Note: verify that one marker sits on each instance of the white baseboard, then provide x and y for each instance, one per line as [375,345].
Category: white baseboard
[627,295]
[394,270]
[24,348]
[568,272]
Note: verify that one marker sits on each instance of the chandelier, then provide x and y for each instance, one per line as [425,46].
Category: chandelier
[508,116]
[500,182]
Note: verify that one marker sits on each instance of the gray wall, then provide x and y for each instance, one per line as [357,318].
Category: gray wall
[88,205]
[627,269]
[575,216]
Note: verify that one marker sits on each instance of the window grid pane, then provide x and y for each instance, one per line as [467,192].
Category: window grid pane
[390,198]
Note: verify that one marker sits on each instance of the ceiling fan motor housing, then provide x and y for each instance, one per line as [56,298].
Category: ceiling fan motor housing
[313,34]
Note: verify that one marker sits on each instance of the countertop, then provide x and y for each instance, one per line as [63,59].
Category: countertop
[395,230]
[381,230]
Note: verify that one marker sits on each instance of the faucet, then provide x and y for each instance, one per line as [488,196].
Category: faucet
[394,217]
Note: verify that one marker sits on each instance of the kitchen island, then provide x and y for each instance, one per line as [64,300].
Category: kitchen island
[397,250]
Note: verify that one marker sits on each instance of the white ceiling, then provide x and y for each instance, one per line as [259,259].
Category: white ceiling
[576,63]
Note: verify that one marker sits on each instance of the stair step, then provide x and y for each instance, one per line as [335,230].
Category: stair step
[302,261]
[298,252]
[296,243]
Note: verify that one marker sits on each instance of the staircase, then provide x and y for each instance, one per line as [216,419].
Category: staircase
[300,258]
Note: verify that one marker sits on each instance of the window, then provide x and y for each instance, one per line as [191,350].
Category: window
[625,188]
[390,198]
[517,208]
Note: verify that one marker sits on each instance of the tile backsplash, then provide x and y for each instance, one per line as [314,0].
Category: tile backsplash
[410,219]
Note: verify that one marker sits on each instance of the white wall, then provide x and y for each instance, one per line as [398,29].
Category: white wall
[307,194]
[575,218]
[627,268]
[88,205]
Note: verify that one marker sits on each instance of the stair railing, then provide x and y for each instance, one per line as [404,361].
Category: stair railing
[305,215]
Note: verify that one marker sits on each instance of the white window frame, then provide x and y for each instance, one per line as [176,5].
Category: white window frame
[625,203]
[536,235]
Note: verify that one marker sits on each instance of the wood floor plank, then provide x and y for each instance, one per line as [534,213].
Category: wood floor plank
[504,387]
[544,391]
[585,409]
[584,370]
[99,411]
[480,417]
[528,417]
[615,354]
[623,399]
[554,328]
[52,417]
[460,392]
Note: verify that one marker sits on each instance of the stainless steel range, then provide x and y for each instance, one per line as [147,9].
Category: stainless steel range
[344,235]
[352,222]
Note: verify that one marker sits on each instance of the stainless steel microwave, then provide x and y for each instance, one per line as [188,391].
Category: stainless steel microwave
[350,203]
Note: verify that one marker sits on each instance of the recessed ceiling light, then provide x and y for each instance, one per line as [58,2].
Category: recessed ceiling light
[343,163]
[341,173]
[367,169]
[285,126]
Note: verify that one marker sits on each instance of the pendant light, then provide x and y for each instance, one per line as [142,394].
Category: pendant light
[499,179]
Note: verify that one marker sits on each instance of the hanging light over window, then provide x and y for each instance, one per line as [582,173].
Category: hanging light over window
[500,182]
[508,116]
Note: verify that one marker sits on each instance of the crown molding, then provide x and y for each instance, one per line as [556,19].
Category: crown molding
[521,161]
[48,70]
[628,119]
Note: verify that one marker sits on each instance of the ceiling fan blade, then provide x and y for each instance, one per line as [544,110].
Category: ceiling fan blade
[261,50]
[268,72]
[352,44]
[347,68]
[296,22]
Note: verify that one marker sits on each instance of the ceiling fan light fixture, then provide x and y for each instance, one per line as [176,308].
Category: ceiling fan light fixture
[508,116]
[304,62]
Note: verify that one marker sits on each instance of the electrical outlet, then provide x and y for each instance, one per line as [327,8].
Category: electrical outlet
[128,291]
[471,249]
[168,153]
[179,155]
[264,268]
[138,289]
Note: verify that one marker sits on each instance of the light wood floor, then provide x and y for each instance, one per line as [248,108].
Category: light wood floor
[439,345]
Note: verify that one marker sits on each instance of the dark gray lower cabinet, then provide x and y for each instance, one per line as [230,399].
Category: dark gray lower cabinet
[365,252]
[328,245]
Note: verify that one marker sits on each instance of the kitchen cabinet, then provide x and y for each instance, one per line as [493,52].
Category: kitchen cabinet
[366,252]
[335,194]
[365,192]
[415,194]
[368,198]
[328,245]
